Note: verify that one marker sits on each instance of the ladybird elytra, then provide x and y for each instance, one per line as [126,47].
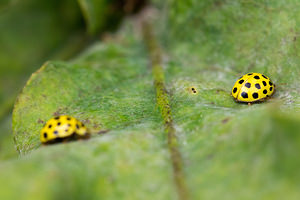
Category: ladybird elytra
[62,127]
[253,87]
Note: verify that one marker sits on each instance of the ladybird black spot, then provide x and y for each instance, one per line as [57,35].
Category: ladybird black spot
[265,91]
[67,130]
[267,95]
[248,85]
[241,81]
[271,88]
[264,76]
[255,95]
[264,82]
[69,118]
[250,74]
[58,124]
[55,132]
[270,83]
[256,77]
[69,125]
[50,126]
[193,88]
[234,90]
[57,118]
[244,95]
[77,126]
[45,135]
[257,85]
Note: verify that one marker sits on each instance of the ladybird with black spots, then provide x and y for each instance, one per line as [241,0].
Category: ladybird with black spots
[253,87]
[63,128]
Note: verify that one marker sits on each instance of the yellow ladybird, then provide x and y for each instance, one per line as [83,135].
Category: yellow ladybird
[253,87]
[63,128]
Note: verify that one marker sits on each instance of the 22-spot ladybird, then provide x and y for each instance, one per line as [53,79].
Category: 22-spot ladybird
[62,128]
[253,87]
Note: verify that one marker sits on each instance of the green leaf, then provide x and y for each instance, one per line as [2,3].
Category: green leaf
[114,94]
[200,146]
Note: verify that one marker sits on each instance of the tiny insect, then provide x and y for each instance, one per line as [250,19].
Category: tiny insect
[63,128]
[253,87]
[192,90]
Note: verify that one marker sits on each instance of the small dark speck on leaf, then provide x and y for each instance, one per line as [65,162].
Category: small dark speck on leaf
[192,90]
[40,121]
[224,121]
[209,156]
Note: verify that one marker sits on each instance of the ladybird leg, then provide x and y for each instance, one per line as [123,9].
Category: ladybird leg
[83,138]
[87,136]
